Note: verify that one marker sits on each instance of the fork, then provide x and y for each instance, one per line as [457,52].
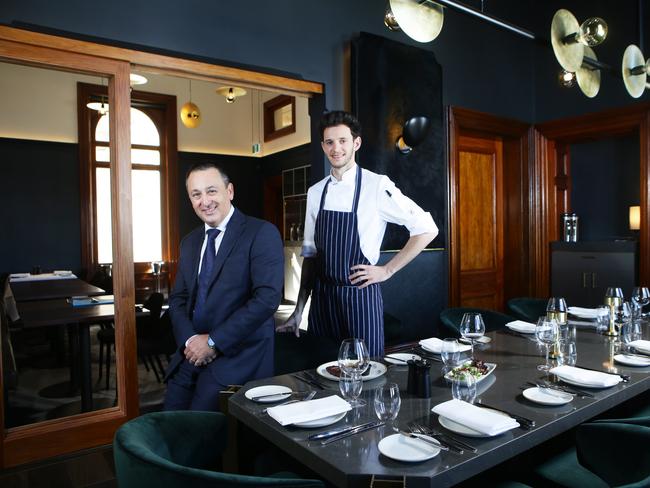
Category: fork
[457,445]
[309,396]
[421,437]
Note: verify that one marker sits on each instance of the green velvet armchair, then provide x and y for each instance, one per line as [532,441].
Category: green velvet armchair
[527,308]
[181,449]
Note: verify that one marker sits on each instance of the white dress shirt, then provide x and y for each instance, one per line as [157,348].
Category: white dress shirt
[219,238]
[380,202]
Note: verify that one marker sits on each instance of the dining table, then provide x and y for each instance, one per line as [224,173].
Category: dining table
[61,312]
[51,289]
[356,461]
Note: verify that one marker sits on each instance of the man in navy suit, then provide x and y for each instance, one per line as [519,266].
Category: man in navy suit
[228,286]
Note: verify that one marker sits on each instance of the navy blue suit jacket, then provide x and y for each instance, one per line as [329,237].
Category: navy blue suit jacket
[244,293]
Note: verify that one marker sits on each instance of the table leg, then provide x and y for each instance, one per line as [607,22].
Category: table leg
[86,380]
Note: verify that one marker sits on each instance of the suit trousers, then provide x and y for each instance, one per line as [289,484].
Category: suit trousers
[193,388]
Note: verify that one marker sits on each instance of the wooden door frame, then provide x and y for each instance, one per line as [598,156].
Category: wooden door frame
[515,136]
[550,150]
[51,438]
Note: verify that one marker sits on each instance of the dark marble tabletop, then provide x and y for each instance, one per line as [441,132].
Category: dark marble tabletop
[352,461]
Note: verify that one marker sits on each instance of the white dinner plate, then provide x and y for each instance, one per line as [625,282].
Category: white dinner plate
[312,424]
[632,360]
[279,392]
[406,449]
[395,357]
[546,396]
[463,430]
[376,370]
[490,369]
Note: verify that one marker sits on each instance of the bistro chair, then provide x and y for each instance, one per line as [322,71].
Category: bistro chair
[181,449]
[451,318]
[527,308]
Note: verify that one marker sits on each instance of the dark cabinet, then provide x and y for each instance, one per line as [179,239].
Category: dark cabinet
[581,272]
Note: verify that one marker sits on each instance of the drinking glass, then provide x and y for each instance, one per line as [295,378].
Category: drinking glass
[387,402]
[631,331]
[350,385]
[450,352]
[472,327]
[602,319]
[640,298]
[353,356]
[546,332]
[622,316]
[569,353]
[463,387]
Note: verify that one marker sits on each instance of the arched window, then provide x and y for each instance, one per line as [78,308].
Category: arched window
[153,185]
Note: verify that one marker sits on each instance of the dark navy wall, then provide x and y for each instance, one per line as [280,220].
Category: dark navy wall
[606,183]
[39,190]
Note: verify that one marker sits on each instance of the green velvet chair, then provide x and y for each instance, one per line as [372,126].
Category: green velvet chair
[451,318]
[182,449]
[527,308]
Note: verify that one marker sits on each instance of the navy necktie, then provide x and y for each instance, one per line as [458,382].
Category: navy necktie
[207,267]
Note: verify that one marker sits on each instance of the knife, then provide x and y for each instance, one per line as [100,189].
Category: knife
[333,432]
[317,379]
[356,430]
[526,423]
[624,377]
[284,393]
[308,381]
[564,388]
[424,438]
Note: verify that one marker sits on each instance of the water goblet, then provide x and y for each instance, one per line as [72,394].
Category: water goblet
[602,319]
[463,386]
[350,386]
[387,402]
[472,327]
[622,316]
[546,332]
[450,352]
[353,356]
[569,353]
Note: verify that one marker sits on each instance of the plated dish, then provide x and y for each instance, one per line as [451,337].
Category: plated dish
[406,449]
[325,421]
[632,360]
[268,393]
[546,396]
[478,369]
[375,370]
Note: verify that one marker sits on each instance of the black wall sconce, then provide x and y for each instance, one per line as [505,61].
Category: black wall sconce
[414,132]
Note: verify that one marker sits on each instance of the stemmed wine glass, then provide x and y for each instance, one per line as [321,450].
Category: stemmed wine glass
[622,316]
[546,332]
[353,360]
[472,327]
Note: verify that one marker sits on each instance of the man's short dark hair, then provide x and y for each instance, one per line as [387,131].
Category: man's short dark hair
[207,165]
[339,117]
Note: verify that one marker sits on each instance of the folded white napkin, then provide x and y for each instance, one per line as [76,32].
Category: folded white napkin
[586,377]
[309,410]
[521,326]
[584,313]
[479,419]
[641,345]
[62,272]
[434,345]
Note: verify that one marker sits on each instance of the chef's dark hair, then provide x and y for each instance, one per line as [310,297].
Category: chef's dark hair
[339,117]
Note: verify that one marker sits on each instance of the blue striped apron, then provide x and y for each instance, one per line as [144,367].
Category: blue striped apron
[340,309]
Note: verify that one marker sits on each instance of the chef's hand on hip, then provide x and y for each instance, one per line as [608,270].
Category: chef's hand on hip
[366,274]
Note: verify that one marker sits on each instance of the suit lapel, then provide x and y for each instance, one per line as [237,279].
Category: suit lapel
[196,257]
[233,231]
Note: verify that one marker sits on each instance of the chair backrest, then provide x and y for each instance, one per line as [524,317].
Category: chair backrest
[451,318]
[527,308]
[180,449]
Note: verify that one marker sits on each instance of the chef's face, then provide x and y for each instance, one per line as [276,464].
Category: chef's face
[339,146]
[210,195]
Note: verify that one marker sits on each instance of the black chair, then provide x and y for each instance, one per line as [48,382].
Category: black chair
[451,318]
[150,326]
[9,370]
[527,308]
[155,336]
